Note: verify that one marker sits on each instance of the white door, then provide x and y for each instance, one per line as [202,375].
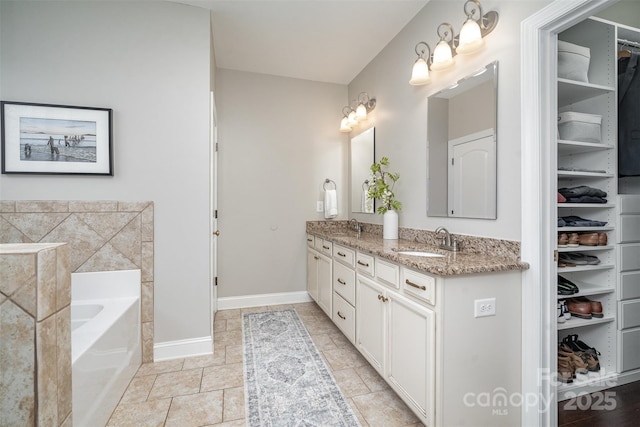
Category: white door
[213,140]
[312,274]
[472,175]
[325,294]
[371,322]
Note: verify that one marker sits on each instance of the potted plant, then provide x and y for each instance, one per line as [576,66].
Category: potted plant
[381,183]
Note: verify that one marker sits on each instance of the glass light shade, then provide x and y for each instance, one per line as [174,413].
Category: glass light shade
[344,127]
[420,73]
[361,112]
[470,38]
[351,120]
[442,56]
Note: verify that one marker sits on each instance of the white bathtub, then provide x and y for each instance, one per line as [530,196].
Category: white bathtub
[106,349]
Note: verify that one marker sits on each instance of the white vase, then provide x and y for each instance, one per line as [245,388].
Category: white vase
[390,225]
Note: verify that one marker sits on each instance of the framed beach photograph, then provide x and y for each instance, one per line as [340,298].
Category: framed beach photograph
[56,139]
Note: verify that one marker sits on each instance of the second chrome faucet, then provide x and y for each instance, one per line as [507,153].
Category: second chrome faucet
[448,241]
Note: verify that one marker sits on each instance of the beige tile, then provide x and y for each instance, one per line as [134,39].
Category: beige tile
[82,240]
[215,359]
[147,224]
[221,377]
[147,271]
[196,410]
[46,364]
[63,326]
[356,412]
[26,297]
[350,382]
[128,241]
[228,314]
[107,224]
[143,414]
[323,342]
[228,337]
[138,389]
[176,384]
[46,287]
[340,340]
[234,354]
[280,307]
[42,206]
[132,206]
[160,367]
[63,277]
[219,325]
[7,206]
[93,206]
[385,409]
[371,378]
[234,423]
[35,225]
[146,301]
[17,270]
[258,309]
[316,327]
[234,324]
[147,342]
[233,404]
[107,258]
[10,234]
[342,358]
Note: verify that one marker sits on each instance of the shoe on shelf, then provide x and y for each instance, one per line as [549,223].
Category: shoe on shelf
[566,372]
[588,354]
[563,239]
[589,239]
[580,309]
[579,365]
[596,306]
[602,239]
[566,286]
[574,240]
[579,258]
[561,318]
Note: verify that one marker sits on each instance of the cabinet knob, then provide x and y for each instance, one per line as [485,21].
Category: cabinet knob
[217,232]
[341,316]
[342,282]
[315,257]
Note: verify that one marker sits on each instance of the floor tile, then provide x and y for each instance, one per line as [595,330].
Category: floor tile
[323,342]
[145,414]
[371,378]
[217,358]
[160,367]
[384,409]
[196,410]
[342,358]
[234,324]
[176,384]
[139,389]
[233,337]
[221,377]
[234,354]
[350,382]
[234,404]
[227,314]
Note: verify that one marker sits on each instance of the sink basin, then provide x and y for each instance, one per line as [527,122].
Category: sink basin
[420,253]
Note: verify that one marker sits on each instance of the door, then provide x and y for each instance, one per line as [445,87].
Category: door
[312,274]
[325,294]
[371,322]
[472,175]
[213,141]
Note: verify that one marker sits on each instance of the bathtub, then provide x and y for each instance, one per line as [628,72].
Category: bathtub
[106,349]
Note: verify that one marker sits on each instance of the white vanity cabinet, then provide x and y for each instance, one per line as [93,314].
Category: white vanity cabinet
[371,322]
[344,291]
[319,274]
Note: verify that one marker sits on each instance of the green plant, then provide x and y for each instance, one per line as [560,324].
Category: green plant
[381,183]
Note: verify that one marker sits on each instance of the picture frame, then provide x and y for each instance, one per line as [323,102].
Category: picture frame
[56,139]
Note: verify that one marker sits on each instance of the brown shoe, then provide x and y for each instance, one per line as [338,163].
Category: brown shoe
[589,239]
[602,239]
[579,365]
[581,309]
[563,239]
[596,306]
[574,240]
[566,371]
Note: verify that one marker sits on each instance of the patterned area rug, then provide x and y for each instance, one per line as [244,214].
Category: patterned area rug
[286,380]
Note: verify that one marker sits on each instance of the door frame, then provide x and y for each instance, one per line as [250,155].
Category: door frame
[538,105]
[213,206]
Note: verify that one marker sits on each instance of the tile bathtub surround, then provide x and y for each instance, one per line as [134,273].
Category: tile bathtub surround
[103,235]
[35,334]
[499,248]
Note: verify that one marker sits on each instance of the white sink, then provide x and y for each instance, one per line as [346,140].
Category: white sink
[420,253]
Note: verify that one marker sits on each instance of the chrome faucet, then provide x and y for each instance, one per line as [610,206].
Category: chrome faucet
[356,225]
[448,242]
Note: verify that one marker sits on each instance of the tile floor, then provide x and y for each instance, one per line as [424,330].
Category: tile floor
[209,390]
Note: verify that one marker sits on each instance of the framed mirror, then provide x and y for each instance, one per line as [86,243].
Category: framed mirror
[462,123]
[362,157]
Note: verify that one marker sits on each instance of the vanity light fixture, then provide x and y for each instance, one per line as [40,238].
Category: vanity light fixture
[473,31]
[470,40]
[420,72]
[352,116]
[443,53]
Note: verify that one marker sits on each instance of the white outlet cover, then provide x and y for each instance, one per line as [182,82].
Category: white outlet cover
[484,307]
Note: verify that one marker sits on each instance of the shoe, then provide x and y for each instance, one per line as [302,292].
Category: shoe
[596,306]
[561,318]
[574,240]
[579,365]
[602,239]
[589,239]
[580,309]
[566,372]
[579,258]
[563,239]
[588,354]
[566,286]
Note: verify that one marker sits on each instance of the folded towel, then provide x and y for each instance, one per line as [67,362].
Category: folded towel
[330,204]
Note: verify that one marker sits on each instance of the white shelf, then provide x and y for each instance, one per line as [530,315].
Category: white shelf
[580,229]
[586,384]
[571,91]
[574,147]
[575,322]
[585,205]
[584,248]
[579,174]
[580,268]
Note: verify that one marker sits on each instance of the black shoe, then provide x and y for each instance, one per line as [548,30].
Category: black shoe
[566,287]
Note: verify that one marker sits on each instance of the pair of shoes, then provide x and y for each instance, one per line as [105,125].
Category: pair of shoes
[566,286]
[578,258]
[587,353]
[563,240]
[593,239]
[577,363]
[563,312]
[584,308]
[566,372]
[568,239]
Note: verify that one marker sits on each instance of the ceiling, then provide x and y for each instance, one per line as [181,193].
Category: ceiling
[320,40]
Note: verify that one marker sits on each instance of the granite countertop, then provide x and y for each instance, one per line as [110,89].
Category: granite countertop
[452,263]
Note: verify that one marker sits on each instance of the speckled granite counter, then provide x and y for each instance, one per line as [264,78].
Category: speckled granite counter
[478,255]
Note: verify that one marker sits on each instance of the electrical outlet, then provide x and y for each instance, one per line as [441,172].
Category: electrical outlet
[484,307]
[319,206]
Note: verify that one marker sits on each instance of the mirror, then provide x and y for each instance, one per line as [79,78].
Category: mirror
[462,138]
[362,157]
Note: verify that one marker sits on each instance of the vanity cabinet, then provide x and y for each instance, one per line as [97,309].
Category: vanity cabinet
[344,291]
[319,276]
[371,324]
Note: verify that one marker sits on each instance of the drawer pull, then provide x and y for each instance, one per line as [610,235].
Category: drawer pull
[383,299]
[341,316]
[309,240]
[326,247]
[410,283]
[366,264]
[341,254]
[315,257]
[342,282]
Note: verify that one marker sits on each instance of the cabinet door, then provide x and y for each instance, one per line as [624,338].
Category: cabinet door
[371,322]
[411,367]
[312,274]
[325,292]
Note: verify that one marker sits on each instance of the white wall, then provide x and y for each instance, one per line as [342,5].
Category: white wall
[150,63]
[400,116]
[279,140]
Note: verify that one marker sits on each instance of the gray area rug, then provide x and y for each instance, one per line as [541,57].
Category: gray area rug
[286,380]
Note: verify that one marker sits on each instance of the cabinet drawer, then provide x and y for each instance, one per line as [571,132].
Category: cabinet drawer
[388,272]
[629,314]
[344,282]
[342,254]
[344,316]
[310,240]
[419,285]
[630,256]
[629,204]
[629,354]
[630,285]
[323,246]
[365,263]
[629,228]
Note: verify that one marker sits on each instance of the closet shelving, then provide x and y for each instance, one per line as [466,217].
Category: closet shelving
[593,165]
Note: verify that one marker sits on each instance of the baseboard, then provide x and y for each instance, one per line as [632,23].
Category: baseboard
[246,301]
[182,348]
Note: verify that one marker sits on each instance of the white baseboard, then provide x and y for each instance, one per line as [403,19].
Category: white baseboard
[182,348]
[247,301]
